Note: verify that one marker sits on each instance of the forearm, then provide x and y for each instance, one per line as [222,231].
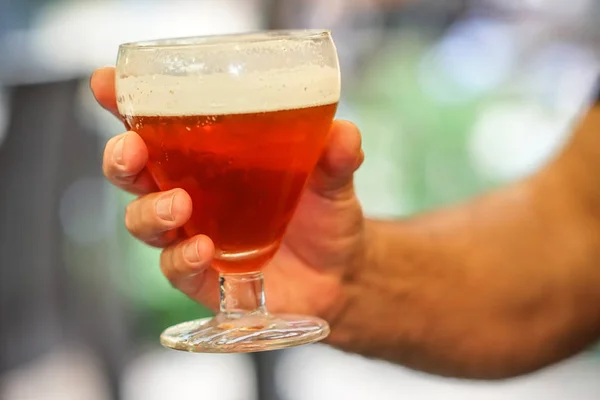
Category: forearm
[498,287]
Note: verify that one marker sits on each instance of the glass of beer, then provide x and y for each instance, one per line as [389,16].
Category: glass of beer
[238,121]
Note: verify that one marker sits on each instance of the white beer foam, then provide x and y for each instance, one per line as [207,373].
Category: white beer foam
[236,92]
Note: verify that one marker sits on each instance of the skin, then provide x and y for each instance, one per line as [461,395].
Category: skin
[315,262]
[502,285]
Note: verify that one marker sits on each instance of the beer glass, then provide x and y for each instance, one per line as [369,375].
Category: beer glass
[239,122]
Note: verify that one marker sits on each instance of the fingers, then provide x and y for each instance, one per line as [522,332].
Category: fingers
[125,156]
[124,162]
[333,175]
[186,266]
[153,218]
[102,84]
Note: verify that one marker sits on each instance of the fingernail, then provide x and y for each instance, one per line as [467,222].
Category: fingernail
[118,151]
[164,207]
[190,252]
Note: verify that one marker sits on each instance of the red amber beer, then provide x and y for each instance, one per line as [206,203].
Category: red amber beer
[244,172]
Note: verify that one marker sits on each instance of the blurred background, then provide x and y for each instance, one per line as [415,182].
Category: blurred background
[453,97]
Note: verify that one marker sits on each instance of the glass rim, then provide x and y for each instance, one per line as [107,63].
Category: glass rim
[228,38]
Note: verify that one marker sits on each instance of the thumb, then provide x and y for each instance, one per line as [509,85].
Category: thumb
[333,175]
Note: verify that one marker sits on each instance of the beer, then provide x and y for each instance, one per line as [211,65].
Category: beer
[244,167]
[244,173]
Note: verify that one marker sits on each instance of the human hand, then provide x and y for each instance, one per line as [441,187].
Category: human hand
[324,240]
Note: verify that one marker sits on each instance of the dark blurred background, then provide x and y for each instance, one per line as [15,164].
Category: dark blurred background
[453,98]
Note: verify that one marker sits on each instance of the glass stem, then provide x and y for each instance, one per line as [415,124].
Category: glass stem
[242,294]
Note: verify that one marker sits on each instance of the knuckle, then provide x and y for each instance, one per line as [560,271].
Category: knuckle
[111,171]
[167,264]
[174,269]
[106,170]
[110,168]
[131,222]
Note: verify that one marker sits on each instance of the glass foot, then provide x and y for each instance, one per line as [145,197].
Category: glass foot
[245,334]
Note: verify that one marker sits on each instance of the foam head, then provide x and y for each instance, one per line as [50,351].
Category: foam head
[235,76]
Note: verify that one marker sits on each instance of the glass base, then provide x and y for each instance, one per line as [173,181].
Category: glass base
[244,333]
